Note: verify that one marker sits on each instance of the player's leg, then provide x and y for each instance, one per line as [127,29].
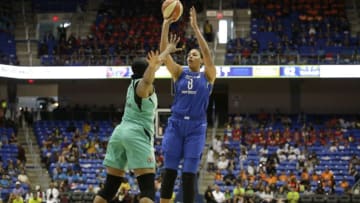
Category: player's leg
[115,161]
[172,150]
[169,176]
[113,180]
[141,158]
[145,178]
[194,145]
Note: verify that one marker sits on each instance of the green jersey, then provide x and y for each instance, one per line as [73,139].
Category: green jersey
[140,110]
[131,143]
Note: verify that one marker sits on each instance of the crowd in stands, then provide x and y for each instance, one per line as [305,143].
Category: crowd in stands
[296,32]
[258,158]
[268,158]
[73,152]
[117,35]
[64,6]
[14,182]
[7,41]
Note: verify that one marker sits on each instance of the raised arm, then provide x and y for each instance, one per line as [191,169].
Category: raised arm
[145,87]
[174,68]
[154,59]
[210,70]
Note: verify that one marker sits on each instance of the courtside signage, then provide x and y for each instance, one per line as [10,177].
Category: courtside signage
[312,71]
[124,72]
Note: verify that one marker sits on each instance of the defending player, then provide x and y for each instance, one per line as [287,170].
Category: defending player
[131,143]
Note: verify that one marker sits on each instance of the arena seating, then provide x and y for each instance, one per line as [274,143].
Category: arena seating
[114,39]
[7,41]
[337,160]
[65,6]
[295,32]
[88,168]
[8,163]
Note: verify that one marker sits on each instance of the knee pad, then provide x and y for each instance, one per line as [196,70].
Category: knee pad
[147,185]
[111,186]
[167,183]
[188,184]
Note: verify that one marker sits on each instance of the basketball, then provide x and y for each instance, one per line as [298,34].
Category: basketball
[172,9]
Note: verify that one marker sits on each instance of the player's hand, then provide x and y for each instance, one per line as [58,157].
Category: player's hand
[173,41]
[168,21]
[154,60]
[193,18]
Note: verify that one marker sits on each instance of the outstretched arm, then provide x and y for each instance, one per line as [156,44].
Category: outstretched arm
[145,86]
[154,59]
[210,70]
[174,68]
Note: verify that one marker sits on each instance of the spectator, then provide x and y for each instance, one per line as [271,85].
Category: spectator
[307,190]
[15,198]
[35,198]
[229,179]
[280,195]
[18,190]
[62,32]
[23,178]
[90,189]
[21,153]
[208,31]
[123,196]
[293,196]
[267,195]
[238,193]
[218,195]
[250,194]
[210,159]
[228,196]
[209,197]
[52,194]
[223,163]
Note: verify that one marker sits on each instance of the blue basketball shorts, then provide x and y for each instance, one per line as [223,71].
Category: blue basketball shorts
[184,139]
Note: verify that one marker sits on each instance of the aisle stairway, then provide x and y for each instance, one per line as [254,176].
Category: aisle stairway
[352,12]
[25,33]
[207,178]
[36,171]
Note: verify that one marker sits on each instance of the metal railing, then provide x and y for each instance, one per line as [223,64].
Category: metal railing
[101,60]
[291,59]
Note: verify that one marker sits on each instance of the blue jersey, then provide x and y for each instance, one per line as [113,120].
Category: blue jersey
[192,92]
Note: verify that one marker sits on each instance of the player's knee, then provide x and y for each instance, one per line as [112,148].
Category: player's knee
[167,184]
[147,186]
[191,165]
[111,186]
[171,161]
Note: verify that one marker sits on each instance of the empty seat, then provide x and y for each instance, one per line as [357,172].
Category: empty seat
[306,199]
[77,197]
[319,198]
[344,199]
[331,199]
[88,197]
[64,197]
[355,199]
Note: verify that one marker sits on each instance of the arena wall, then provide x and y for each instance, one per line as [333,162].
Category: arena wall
[244,95]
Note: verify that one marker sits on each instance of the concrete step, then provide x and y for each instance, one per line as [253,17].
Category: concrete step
[34,171]
[35,149]
[220,51]
[36,61]
[33,157]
